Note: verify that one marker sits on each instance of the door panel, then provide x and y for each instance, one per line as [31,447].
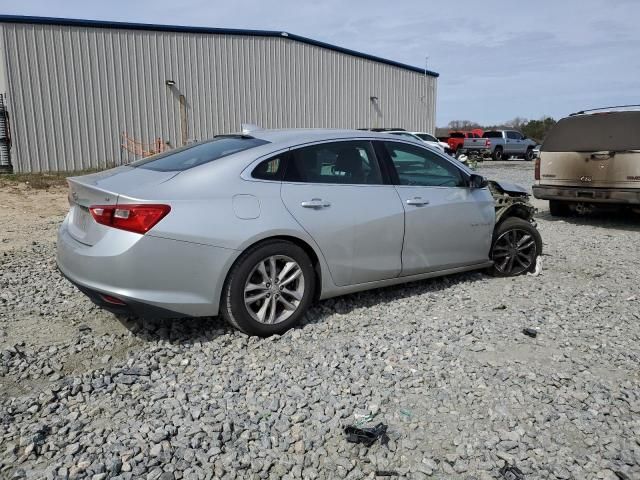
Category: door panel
[452,228]
[359,228]
[447,224]
[335,191]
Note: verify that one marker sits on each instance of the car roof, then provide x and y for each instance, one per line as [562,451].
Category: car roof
[296,136]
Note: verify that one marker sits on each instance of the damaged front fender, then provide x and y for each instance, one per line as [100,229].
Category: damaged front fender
[511,201]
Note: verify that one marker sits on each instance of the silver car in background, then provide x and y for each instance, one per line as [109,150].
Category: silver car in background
[256,226]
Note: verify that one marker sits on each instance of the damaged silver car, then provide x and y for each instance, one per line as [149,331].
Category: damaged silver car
[256,226]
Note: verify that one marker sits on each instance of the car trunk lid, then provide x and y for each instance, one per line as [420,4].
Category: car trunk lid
[105,188]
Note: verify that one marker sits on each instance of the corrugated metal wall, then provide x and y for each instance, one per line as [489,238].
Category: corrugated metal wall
[73,90]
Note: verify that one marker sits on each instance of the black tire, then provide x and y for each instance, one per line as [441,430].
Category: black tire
[497,154]
[558,208]
[232,302]
[515,247]
[529,155]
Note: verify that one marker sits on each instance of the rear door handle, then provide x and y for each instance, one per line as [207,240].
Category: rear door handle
[417,201]
[316,203]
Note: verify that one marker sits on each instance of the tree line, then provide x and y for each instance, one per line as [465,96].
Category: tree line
[535,129]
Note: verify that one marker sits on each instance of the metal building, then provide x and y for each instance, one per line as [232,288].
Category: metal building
[83,94]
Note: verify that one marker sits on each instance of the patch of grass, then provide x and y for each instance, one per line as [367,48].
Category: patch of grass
[40,181]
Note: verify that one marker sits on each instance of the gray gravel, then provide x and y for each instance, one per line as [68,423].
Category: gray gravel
[442,362]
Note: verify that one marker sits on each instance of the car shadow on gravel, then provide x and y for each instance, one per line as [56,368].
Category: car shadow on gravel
[616,220]
[380,296]
[206,329]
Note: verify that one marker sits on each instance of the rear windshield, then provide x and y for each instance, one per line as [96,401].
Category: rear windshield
[457,135]
[197,154]
[492,135]
[614,131]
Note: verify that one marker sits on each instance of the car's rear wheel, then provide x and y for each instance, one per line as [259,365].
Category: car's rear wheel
[498,154]
[516,246]
[559,208]
[269,288]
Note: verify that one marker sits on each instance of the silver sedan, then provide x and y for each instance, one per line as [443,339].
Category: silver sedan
[258,225]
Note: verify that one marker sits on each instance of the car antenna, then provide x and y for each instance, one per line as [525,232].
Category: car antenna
[247,128]
[581,112]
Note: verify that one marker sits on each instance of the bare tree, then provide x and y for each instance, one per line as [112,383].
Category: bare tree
[462,125]
[518,123]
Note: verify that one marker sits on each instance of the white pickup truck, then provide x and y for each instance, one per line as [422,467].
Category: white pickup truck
[500,145]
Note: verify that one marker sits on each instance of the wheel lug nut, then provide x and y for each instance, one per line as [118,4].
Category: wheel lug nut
[268,285]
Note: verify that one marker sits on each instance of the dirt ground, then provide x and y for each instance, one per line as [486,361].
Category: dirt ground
[29,215]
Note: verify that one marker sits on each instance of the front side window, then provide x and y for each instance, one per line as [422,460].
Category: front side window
[421,167]
[198,153]
[514,135]
[352,162]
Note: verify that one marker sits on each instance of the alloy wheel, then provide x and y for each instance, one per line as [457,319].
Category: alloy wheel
[514,252]
[274,289]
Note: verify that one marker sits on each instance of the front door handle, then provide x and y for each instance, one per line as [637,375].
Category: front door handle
[417,201]
[316,203]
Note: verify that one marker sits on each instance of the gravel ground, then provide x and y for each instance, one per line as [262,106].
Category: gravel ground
[443,363]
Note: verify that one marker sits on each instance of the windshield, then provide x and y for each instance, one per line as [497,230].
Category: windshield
[426,136]
[614,131]
[196,154]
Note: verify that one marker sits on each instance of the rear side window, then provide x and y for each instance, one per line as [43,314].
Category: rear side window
[492,135]
[352,162]
[198,154]
[271,169]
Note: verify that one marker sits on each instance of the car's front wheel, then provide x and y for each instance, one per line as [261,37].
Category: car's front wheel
[529,155]
[269,288]
[515,248]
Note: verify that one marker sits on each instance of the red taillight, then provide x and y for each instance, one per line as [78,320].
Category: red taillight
[488,143]
[133,218]
[537,169]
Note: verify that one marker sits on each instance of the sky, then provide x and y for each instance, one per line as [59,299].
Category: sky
[497,59]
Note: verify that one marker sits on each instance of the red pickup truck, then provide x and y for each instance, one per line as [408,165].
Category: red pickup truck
[455,140]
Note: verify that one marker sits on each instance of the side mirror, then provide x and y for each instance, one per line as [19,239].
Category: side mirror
[477,181]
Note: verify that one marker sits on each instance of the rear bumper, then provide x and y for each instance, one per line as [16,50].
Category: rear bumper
[589,195]
[483,152]
[131,308]
[152,276]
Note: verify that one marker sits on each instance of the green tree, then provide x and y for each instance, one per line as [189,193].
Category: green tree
[537,129]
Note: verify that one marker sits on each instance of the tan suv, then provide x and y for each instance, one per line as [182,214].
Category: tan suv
[590,159]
